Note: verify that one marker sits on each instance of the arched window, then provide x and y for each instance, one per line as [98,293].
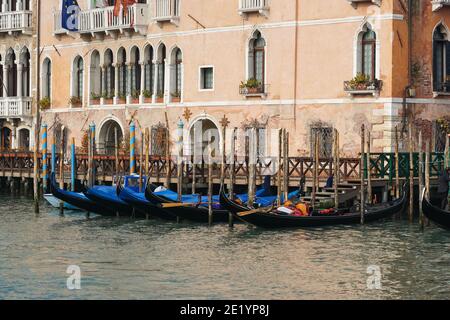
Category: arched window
[135,73]
[161,71]
[1,77]
[11,81]
[109,75]
[121,64]
[95,76]
[441,60]
[368,55]
[149,71]
[257,58]
[26,81]
[47,78]
[178,70]
[78,74]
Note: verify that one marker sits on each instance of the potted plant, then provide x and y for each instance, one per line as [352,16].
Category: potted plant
[107,98]
[251,86]
[135,96]
[160,97]
[147,96]
[75,101]
[95,98]
[45,103]
[176,96]
[122,98]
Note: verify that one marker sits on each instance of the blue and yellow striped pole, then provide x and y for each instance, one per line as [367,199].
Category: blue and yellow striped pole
[73,168]
[44,157]
[92,144]
[132,148]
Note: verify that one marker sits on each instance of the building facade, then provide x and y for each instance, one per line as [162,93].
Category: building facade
[307,66]
[17,80]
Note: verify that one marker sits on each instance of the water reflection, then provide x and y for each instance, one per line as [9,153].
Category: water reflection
[136,259]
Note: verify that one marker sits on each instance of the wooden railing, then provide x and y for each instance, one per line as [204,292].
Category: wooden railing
[15,163]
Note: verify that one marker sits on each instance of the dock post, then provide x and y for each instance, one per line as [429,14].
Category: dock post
[141,164]
[251,167]
[232,174]
[316,171]
[427,172]
[369,171]
[167,147]
[411,174]
[397,165]
[132,148]
[447,152]
[210,183]
[44,157]
[420,147]
[336,169]
[147,153]
[280,160]
[180,161]
[286,165]
[73,167]
[116,152]
[362,172]
[61,169]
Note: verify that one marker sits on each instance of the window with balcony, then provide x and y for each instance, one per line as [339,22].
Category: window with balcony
[441,61]
[149,73]
[76,99]
[253,6]
[135,74]
[176,75]
[16,16]
[161,73]
[166,11]
[256,82]
[122,71]
[109,77]
[355,3]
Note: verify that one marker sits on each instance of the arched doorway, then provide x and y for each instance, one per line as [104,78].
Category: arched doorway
[6,139]
[204,133]
[24,139]
[106,141]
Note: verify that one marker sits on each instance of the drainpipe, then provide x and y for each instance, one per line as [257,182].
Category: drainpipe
[295,63]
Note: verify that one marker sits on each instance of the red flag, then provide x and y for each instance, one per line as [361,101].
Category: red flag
[117,5]
[124,4]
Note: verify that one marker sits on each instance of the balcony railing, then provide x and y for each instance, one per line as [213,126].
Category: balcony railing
[438,4]
[15,107]
[16,21]
[167,10]
[103,20]
[248,6]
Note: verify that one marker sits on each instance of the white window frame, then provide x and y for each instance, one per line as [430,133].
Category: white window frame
[200,82]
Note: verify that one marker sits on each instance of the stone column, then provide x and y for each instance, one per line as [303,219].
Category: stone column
[103,87]
[116,83]
[19,79]
[141,95]
[156,80]
[5,80]
[129,87]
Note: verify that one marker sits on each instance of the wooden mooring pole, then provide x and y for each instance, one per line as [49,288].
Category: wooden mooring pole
[286,165]
[336,169]
[427,173]
[147,153]
[316,170]
[116,153]
[369,171]
[210,183]
[73,166]
[61,169]
[180,161]
[362,173]
[252,168]
[232,174]
[280,161]
[397,166]
[411,174]
[420,147]
[141,164]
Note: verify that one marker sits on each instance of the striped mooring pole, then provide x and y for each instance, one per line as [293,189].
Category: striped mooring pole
[44,157]
[92,139]
[132,148]
[73,168]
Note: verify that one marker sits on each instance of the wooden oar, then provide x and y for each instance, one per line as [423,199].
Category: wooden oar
[177,205]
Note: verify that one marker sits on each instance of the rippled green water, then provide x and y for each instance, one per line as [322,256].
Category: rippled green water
[128,259]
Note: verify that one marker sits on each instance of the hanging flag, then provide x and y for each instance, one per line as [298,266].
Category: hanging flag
[124,5]
[69,15]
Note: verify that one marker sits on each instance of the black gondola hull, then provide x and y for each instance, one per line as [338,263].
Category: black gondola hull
[435,214]
[272,220]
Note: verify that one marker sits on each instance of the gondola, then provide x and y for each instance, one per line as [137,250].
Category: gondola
[270,219]
[189,212]
[141,204]
[78,200]
[435,214]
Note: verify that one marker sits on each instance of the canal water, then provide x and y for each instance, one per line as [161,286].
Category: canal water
[136,259]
